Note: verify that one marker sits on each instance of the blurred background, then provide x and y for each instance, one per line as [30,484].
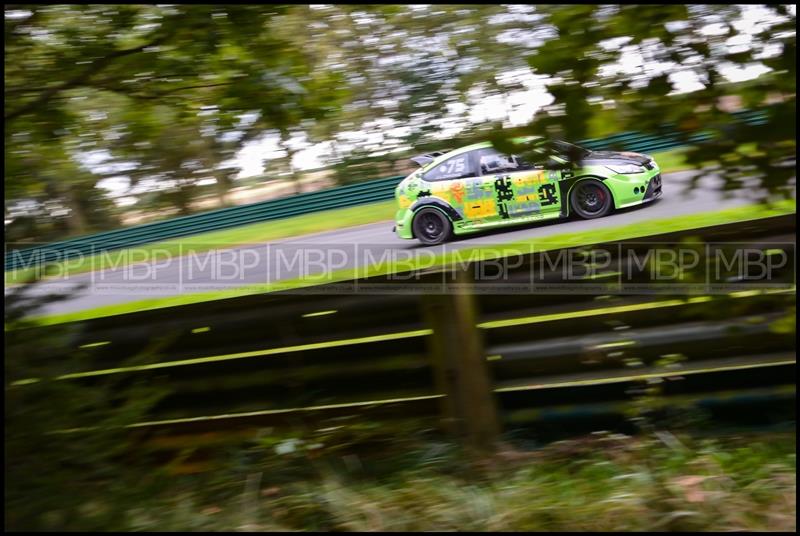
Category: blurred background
[117,115]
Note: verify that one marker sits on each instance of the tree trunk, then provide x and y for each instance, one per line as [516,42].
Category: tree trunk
[76,221]
[293,175]
[183,198]
[223,186]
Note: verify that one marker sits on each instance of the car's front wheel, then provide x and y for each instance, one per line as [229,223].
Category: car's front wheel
[591,199]
[431,226]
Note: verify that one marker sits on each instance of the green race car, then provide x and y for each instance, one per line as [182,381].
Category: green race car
[476,187]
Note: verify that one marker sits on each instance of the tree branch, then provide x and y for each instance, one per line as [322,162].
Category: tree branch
[157,95]
[82,77]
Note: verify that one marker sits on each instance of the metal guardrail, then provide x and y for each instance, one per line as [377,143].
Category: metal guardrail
[306,203]
[300,360]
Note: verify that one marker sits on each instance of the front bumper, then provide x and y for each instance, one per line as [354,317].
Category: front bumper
[653,188]
[634,190]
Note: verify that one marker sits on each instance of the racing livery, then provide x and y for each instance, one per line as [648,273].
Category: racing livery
[476,187]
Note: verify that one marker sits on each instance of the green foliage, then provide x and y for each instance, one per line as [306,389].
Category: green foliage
[603,482]
[137,84]
[591,38]
[66,448]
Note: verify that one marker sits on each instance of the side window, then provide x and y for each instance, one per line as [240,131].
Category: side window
[457,167]
[490,161]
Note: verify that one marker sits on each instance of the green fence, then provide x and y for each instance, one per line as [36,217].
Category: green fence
[343,196]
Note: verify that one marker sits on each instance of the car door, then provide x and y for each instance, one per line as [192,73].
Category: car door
[521,190]
[452,181]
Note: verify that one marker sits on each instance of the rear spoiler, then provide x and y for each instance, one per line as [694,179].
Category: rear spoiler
[425,159]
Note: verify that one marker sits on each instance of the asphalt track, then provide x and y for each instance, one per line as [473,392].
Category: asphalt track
[315,256]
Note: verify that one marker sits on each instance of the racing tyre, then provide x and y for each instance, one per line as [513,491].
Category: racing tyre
[591,199]
[431,227]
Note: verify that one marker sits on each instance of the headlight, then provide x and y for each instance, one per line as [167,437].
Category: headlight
[627,169]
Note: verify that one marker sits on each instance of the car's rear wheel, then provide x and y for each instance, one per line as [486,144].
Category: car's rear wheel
[431,226]
[591,199]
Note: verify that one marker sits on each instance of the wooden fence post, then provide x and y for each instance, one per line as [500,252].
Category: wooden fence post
[460,371]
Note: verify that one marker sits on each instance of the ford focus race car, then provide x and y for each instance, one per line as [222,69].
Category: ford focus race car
[477,187]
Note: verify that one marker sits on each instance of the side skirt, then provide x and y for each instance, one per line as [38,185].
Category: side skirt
[522,220]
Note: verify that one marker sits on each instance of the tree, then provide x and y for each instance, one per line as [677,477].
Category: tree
[404,68]
[693,40]
[64,63]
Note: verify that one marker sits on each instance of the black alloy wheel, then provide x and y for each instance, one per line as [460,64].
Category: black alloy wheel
[431,226]
[591,199]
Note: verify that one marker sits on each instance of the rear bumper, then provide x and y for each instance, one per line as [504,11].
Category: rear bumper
[402,227]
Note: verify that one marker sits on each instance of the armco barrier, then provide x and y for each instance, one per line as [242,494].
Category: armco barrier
[316,360]
[340,197]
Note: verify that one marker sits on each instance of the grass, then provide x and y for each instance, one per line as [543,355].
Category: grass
[328,220]
[602,482]
[672,161]
[638,229]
